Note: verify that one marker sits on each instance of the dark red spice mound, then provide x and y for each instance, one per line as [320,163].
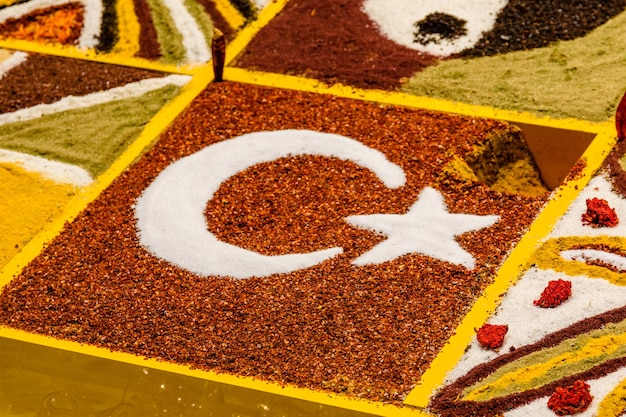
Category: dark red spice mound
[554,294]
[620,119]
[599,214]
[491,336]
[571,399]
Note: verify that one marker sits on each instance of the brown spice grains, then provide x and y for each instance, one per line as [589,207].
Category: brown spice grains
[51,78]
[367,331]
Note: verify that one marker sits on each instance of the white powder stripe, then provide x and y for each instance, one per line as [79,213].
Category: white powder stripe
[194,42]
[591,255]
[11,62]
[130,90]
[59,172]
[260,4]
[92,17]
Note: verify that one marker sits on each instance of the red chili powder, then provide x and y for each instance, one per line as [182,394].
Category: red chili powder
[554,294]
[599,214]
[571,399]
[491,336]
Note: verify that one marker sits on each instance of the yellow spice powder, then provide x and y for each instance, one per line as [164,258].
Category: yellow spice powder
[29,201]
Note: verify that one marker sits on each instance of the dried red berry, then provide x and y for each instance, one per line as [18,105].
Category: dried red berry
[599,214]
[571,399]
[554,294]
[491,336]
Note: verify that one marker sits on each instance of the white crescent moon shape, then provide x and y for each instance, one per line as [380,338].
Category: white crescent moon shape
[170,211]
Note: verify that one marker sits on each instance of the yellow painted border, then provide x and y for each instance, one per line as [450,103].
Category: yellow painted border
[247,33]
[91,55]
[403,99]
[318,397]
[232,16]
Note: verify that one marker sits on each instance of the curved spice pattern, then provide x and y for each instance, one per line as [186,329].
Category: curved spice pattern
[171,32]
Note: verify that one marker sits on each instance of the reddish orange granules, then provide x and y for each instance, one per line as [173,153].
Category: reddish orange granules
[491,336]
[62,25]
[599,214]
[571,399]
[554,294]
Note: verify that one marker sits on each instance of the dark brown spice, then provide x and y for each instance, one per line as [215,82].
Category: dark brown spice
[52,78]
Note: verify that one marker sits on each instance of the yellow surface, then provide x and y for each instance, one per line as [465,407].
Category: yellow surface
[288,392]
[232,16]
[34,201]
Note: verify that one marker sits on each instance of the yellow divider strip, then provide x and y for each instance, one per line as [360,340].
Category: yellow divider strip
[247,33]
[510,271]
[349,404]
[232,16]
[91,55]
[401,99]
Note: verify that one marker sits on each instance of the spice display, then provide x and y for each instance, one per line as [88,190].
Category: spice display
[550,348]
[514,65]
[344,244]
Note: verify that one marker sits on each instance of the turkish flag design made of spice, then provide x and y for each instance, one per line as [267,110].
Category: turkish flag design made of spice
[367,319]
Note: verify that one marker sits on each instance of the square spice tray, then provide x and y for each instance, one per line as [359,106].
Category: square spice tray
[324,304]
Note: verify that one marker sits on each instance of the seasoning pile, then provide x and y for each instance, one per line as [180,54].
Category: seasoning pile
[366,330]
[319,241]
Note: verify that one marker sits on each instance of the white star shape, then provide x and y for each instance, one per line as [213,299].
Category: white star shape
[427,228]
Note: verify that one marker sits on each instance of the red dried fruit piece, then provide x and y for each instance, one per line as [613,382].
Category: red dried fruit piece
[554,294]
[571,399]
[491,336]
[599,214]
